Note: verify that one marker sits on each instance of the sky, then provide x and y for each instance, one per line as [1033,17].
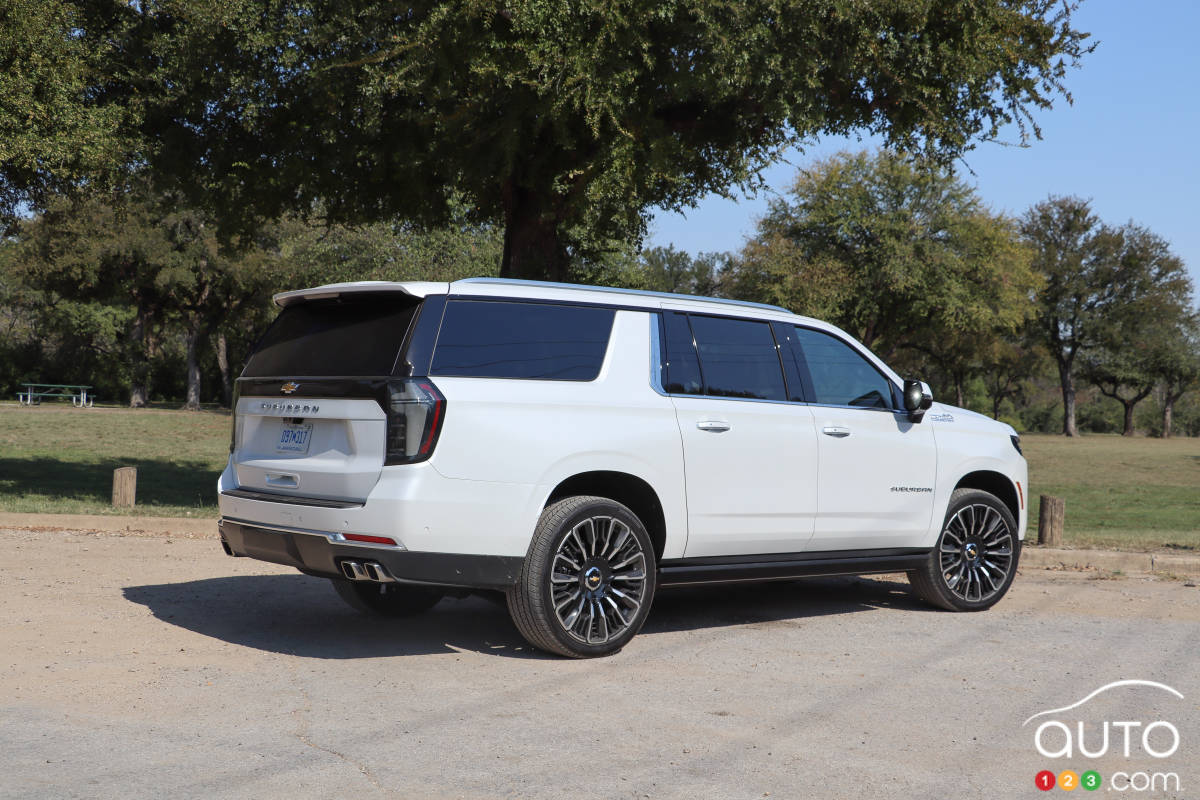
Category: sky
[1130,142]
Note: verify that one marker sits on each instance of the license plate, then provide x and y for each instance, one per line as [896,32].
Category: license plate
[294,438]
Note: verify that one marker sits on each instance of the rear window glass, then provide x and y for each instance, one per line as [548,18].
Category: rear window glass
[489,339]
[355,337]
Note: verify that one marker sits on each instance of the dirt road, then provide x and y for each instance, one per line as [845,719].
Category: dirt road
[155,667]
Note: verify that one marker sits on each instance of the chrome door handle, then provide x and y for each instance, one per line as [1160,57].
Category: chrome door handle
[836,431]
[713,425]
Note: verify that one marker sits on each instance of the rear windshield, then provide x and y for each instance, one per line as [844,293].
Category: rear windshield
[493,339]
[353,337]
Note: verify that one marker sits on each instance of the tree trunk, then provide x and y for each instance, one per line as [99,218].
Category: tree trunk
[533,249]
[1169,399]
[193,366]
[139,334]
[1068,393]
[223,365]
[958,393]
[1127,430]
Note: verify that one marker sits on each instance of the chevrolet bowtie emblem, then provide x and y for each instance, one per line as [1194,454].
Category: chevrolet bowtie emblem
[289,387]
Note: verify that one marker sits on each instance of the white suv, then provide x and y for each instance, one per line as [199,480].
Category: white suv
[578,448]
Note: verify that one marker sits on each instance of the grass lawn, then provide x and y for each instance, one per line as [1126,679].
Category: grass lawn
[1131,493]
[58,459]
[1128,493]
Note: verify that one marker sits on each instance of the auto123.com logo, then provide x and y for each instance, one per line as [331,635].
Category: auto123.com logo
[1079,738]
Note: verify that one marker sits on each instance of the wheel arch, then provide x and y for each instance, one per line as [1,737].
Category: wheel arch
[629,490]
[996,483]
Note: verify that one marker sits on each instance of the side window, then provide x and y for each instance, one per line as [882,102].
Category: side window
[681,367]
[490,339]
[738,358]
[840,375]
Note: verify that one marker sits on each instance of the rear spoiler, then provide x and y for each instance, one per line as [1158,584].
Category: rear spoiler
[411,288]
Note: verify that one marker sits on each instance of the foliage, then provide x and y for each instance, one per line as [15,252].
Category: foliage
[899,252]
[563,121]
[56,131]
[1106,291]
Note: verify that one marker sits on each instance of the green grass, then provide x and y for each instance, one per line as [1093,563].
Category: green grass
[1129,493]
[58,459]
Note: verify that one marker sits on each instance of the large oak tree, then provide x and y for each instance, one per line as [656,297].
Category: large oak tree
[565,121]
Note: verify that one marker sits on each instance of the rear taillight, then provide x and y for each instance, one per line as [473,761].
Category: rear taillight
[415,411]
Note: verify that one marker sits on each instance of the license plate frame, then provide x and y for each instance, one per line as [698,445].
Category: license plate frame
[294,438]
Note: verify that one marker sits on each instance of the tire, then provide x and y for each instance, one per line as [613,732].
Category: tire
[386,599]
[588,580]
[975,558]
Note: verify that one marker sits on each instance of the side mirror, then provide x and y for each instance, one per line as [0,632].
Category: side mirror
[918,397]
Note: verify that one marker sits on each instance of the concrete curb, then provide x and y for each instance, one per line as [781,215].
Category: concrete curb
[1034,557]
[181,527]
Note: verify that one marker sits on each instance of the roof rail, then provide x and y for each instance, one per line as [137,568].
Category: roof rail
[615,290]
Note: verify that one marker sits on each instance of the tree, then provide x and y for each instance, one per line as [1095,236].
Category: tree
[669,270]
[1008,363]
[564,122]
[149,257]
[55,129]
[1176,362]
[899,252]
[1102,287]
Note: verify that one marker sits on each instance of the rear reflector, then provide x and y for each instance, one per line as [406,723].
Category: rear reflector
[362,537]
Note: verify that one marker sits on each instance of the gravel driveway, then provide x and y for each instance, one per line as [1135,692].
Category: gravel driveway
[151,667]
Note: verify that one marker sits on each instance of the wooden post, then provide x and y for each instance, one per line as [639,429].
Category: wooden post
[1050,520]
[124,487]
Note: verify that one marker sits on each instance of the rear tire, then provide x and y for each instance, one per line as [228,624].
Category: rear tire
[586,584]
[975,558]
[386,599]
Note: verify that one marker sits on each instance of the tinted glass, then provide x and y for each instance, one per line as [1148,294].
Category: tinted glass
[484,339]
[738,358]
[355,337]
[840,375]
[681,367]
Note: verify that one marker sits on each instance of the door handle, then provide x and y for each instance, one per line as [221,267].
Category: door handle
[713,425]
[836,431]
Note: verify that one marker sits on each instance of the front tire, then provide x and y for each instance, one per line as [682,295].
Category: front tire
[386,599]
[588,580]
[976,555]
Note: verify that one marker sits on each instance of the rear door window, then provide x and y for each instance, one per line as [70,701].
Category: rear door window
[358,336]
[738,358]
[501,339]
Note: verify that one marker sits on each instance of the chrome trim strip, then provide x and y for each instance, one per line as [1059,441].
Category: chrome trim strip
[333,536]
[582,287]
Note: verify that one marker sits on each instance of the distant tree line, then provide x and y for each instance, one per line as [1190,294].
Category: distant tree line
[1053,321]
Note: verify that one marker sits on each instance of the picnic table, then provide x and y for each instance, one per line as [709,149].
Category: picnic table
[35,392]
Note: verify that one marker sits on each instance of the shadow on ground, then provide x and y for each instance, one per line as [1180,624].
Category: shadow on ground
[160,482]
[300,615]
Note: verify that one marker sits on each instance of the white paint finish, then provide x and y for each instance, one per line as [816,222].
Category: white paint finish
[751,488]
[412,288]
[345,454]
[856,507]
[975,443]
[535,432]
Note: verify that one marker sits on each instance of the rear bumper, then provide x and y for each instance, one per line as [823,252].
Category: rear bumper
[317,553]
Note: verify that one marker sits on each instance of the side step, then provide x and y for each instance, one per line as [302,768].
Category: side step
[366,571]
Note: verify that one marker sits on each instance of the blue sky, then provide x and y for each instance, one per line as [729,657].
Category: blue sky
[1129,142]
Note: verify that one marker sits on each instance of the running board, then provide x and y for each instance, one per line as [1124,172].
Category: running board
[786,566]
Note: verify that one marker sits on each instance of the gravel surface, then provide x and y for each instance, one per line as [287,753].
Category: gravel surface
[159,667]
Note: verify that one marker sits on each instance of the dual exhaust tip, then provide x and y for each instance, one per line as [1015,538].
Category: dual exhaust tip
[366,571]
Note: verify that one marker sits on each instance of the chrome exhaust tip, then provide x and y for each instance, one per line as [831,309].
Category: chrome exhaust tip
[378,573]
[354,571]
